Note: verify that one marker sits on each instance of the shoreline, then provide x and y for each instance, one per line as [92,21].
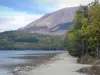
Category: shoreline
[60,64]
[18,69]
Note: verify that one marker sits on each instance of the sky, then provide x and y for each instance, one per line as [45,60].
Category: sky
[15,14]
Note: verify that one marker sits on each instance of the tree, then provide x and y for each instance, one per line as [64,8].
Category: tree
[85,32]
[93,30]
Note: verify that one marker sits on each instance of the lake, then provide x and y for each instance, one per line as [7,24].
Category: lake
[14,58]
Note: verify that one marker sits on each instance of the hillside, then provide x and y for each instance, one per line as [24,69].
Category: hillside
[13,40]
[56,22]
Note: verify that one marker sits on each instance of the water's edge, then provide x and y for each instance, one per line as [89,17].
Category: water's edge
[12,62]
[18,69]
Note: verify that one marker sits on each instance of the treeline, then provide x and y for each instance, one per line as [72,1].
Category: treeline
[84,36]
[14,40]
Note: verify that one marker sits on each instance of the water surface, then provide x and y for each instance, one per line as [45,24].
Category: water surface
[11,59]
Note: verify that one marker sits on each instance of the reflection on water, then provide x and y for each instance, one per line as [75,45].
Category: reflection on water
[12,59]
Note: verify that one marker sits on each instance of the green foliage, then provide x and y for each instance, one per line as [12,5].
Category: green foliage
[31,41]
[26,39]
[84,36]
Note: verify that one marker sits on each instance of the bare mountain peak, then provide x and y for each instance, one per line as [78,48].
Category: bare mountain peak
[55,20]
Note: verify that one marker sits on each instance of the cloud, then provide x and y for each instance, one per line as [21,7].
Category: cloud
[16,20]
[18,13]
[60,4]
[71,3]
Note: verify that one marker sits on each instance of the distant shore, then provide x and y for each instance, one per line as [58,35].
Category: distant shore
[61,64]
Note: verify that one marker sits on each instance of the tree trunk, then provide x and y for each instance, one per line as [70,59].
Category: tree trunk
[86,47]
[97,49]
[82,47]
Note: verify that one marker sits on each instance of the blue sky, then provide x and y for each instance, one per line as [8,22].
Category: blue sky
[18,13]
[29,6]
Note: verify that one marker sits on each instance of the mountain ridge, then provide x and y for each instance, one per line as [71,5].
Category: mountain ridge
[52,21]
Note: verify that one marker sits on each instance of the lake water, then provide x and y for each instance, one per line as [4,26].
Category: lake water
[12,59]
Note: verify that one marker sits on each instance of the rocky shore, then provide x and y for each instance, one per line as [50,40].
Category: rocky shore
[17,70]
[61,64]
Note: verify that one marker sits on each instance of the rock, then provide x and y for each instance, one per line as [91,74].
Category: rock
[84,70]
[95,70]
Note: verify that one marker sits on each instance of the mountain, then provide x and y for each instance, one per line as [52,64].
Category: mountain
[53,23]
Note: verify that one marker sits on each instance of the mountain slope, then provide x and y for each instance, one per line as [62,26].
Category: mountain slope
[52,22]
[13,40]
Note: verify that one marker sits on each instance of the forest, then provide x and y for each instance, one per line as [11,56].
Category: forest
[15,40]
[83,38]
